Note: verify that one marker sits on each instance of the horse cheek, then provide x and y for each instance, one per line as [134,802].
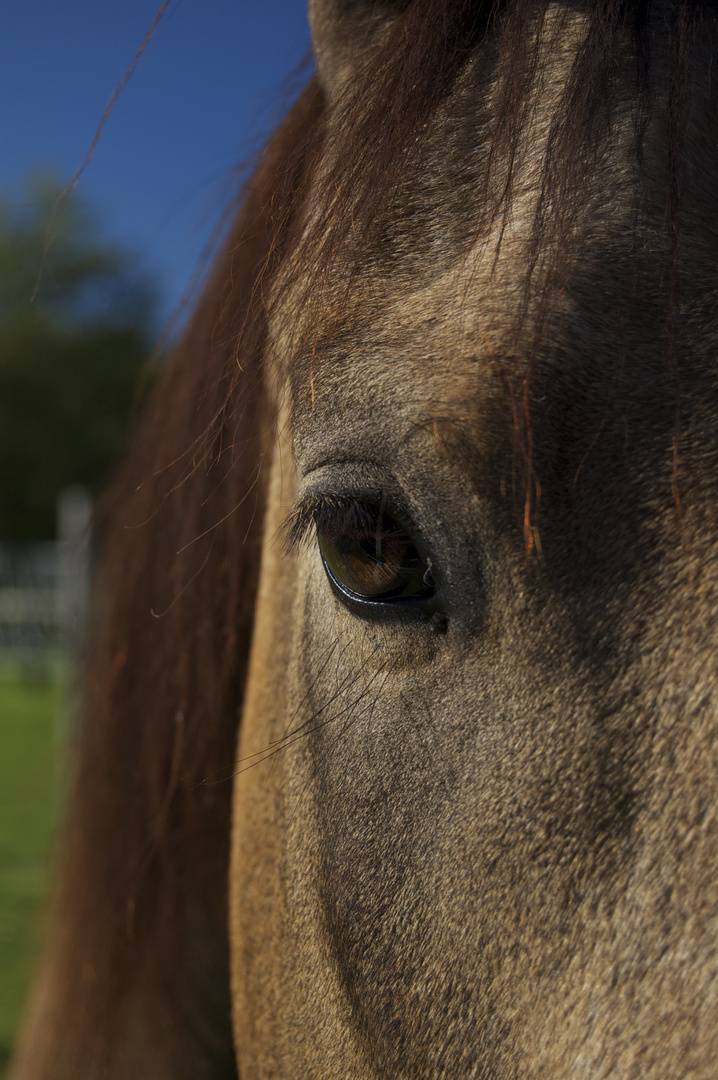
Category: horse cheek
[288,1017]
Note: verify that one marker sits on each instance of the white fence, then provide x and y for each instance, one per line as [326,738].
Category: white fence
[43,587]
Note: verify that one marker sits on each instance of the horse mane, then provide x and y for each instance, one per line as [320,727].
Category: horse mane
[144,858]
[143,887]
[382,108]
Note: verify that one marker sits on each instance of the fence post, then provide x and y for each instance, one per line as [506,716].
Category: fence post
[74,508]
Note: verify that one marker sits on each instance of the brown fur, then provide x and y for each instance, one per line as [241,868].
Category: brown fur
[475,276]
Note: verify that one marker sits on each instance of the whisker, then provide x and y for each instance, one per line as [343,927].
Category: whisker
[275,749]
[350,722]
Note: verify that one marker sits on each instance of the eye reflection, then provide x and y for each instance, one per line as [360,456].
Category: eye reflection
[368,555]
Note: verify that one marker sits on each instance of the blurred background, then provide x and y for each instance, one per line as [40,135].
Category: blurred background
[92,276]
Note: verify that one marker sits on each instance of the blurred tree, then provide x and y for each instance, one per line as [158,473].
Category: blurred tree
[76,319]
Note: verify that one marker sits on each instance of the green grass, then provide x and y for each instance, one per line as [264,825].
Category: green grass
[28,795]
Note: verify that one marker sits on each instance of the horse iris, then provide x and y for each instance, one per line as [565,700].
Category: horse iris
[368,556]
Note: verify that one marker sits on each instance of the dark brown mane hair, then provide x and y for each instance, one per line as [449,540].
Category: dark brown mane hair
[146,849]
[143,890]
[401,82]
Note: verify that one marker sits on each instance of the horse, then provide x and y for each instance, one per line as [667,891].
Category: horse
[397,754]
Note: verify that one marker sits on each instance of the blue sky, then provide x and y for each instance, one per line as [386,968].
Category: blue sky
[212,83]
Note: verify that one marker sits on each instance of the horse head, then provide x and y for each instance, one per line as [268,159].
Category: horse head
[451,410]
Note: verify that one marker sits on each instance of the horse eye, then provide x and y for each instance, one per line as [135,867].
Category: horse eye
[369,557]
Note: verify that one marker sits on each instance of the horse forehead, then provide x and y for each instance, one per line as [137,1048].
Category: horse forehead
[432,353]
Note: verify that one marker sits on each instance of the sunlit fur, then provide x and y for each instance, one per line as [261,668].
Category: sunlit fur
[474,278]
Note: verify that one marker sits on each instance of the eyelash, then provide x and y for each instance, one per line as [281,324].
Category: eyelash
[325,512]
